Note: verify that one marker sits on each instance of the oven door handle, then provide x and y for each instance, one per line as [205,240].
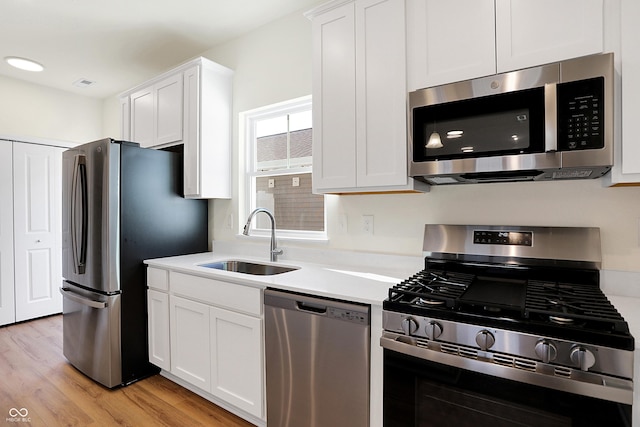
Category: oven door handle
[82,300]
[588,384]
[401,344]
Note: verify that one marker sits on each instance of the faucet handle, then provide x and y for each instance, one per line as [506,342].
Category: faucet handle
[277,251]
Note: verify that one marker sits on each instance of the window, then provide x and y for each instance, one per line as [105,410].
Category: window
[278,147]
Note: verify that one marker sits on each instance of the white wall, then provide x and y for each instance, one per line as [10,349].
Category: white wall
[273,64]
[30,110]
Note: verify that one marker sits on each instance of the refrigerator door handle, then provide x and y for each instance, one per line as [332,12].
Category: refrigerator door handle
[82,300]
[79,214]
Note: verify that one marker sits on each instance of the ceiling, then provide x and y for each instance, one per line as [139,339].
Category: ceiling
[120,43]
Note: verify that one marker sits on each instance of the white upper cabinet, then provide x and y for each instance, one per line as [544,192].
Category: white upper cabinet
[463,39]
[189,105]
[156,113]
[626,168]
[359,96]
[449,41]
[530,33]
[142,114]
[207,134]
[334,99]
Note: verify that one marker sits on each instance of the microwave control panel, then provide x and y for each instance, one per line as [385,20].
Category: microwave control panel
[581,115]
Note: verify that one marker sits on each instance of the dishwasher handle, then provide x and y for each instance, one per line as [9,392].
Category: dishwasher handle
[311,307]
[317,306]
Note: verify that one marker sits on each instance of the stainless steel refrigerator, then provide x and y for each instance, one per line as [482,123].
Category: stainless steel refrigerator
[122,204]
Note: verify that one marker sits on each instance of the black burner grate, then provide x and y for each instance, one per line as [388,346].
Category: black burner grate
[431,288]
[573,304]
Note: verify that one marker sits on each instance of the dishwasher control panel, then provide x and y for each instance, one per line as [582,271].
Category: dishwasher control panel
[361,317]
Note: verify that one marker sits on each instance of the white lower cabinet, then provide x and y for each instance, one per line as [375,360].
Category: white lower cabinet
[208,333]
[158,322]
[236,359]
[190,345]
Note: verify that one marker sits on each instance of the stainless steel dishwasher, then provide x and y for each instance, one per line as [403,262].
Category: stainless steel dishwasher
[317,361]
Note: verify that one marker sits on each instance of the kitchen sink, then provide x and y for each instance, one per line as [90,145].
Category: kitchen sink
[247,267]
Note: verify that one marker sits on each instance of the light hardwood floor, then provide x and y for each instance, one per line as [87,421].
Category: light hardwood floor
[35,375]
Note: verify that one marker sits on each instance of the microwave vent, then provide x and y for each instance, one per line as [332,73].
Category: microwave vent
[572,174]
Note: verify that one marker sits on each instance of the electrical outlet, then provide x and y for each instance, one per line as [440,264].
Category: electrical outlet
[367,225]
[342,224]
[272,182]
[230,221]
[295,181]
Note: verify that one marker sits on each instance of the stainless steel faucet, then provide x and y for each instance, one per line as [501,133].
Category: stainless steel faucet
[273,250]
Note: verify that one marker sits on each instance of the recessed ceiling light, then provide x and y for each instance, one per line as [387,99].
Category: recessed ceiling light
[23,64]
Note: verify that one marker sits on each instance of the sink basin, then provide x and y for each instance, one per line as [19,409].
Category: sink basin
[249,267]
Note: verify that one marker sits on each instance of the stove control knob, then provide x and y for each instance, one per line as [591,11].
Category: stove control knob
[582,357]
[409,325]
[433,330]
[485,339]
[546,350]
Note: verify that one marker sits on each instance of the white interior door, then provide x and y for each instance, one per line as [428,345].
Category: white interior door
[38,228]
[7,305]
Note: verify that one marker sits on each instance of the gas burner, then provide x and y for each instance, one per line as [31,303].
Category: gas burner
[431,289]
[559,320]
[565,307]
[423,302]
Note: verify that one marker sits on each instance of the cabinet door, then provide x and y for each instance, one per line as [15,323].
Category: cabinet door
[630,150]
[142,117]
[449,41]
[37,229]
[125,119]
[192,142]
[7,306]
[334,90]
[381,148]
[189,325]
[158,327]
[168,110]
[236,359]
[530,33]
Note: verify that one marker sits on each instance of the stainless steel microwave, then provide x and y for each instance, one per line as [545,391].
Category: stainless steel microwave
[551,122]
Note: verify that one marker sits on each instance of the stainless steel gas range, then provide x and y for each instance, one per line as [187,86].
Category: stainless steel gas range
[506,325]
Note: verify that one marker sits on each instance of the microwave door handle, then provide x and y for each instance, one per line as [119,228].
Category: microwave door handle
[79,214]
[550,118]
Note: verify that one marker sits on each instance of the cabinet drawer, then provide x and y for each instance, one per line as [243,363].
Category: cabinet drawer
[158,279]
[215,292]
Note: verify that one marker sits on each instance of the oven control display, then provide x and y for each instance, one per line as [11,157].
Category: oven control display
[511,238]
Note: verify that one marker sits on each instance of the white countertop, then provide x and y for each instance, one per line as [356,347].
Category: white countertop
[349,282]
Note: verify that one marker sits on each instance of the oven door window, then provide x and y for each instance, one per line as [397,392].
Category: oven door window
[497,125]
[421,393]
